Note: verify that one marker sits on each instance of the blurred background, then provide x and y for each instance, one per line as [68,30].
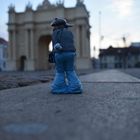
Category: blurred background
[114,30]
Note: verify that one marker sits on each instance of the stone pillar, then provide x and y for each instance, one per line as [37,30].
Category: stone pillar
[77,41]
[32,44]
[84,37]
[80,41]
[26,44]
[14,45]
[86,41]
[10,45]
[83,62]
[29,48]
[11,61]
[31,63]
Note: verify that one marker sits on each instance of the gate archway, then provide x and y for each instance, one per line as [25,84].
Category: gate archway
[30,34]
[43,52]
[22,63]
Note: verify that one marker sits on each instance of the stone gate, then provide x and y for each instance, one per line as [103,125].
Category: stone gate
[30,35]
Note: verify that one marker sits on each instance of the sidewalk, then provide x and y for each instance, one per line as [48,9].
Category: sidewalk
[107,110]
[109,76]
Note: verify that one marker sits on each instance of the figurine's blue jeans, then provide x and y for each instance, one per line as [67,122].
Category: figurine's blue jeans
[66,80]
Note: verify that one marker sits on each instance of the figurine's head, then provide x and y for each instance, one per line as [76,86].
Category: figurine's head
[60,22]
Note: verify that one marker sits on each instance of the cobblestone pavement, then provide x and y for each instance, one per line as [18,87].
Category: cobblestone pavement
[20,79]
[108,109]
[109,76]
[133,71]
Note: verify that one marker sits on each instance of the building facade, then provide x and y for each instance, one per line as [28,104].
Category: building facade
[3,54]
[30,35]
[120,57]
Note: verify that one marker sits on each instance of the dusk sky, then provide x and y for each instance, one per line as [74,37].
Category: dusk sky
[118,18]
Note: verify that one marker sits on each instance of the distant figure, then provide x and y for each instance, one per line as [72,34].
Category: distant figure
[66,80]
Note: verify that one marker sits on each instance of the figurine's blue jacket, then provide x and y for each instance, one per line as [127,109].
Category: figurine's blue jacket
[65,38]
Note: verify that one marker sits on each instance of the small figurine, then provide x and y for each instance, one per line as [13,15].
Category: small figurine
[66,80]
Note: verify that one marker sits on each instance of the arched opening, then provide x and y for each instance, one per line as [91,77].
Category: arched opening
[43,51]
[50,46]
[22,63]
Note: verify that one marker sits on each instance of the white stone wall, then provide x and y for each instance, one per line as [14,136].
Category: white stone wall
[25,30]
[2,57]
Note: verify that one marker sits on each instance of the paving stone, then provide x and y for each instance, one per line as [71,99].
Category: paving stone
[106,110]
